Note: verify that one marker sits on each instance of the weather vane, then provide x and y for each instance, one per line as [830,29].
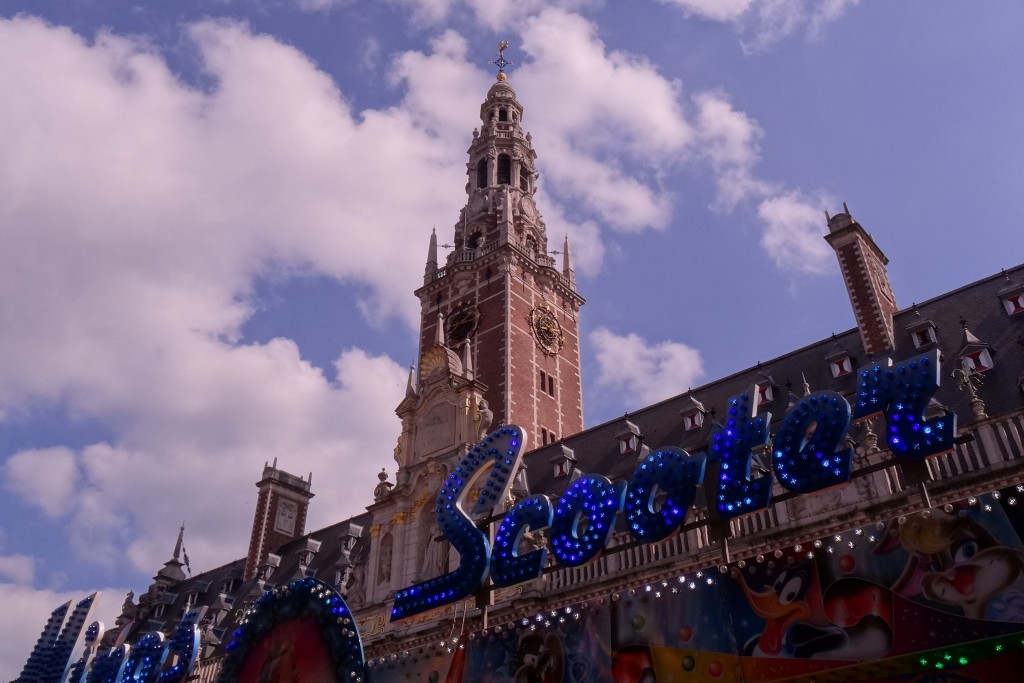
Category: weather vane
[501,62]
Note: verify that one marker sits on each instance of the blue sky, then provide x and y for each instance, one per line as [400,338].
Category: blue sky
[214,213]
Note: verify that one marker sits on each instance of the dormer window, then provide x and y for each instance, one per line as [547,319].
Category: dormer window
[978,360]
[158,611]
[565,462]
[840,365]
[692,413]
[272,562]
[228,586]
[975,355]
[629,438]
[693,420]
[1013,300]
[765,393]
[924,334]
[191,599]
[309,552]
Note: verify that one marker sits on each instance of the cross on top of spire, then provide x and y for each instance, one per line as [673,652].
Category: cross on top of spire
[501,62]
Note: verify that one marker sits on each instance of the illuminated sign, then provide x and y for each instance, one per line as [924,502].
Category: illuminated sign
[807,457]
[145,661]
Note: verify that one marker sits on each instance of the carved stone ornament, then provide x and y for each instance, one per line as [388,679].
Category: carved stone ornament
[439,359]
[477,204]
[546,330]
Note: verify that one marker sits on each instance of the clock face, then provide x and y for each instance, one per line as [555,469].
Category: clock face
[461,324]
[546,330]
[528,207]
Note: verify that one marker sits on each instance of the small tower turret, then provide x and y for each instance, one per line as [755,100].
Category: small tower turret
[281,508]
[867,281]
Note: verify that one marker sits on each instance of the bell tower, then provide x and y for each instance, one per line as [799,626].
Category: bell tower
[500,291]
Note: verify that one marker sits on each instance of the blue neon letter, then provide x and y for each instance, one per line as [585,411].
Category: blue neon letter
[805,457]
[503,449]
[903,391]
[675,472]
[598,500]
[508,567]
[729,459]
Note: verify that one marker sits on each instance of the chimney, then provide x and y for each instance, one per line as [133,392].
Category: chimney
[867,282]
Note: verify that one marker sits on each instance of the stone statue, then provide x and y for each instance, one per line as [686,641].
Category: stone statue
[355,588]
[485,416]
[384,559]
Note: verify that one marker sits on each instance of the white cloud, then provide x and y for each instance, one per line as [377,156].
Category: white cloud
[495,15]
[20,569]
[763,23]
[136,214]
[826,12]
[793,230]
[716,10]
[47,476]
[596,111]
[641,371]
[322,5]
[729,140]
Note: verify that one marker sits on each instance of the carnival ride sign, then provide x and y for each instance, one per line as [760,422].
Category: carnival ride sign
[807,457]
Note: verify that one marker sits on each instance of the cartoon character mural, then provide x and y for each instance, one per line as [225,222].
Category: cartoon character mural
[954,560]
[538,659]
[802,622]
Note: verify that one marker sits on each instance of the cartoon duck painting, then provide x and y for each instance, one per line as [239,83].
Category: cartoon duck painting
[795,622]
[799,622]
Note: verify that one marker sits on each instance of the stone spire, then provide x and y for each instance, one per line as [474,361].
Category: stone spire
[172,572]
[431,257]
[567,271]
[467,360]
[410,385]
[439,333]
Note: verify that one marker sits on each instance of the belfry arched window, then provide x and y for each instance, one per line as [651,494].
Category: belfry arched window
[481,173]
[504,170]
[524,179]
[503,114]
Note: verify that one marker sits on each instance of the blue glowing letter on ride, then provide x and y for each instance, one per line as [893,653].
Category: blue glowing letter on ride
[146,659]
[595,499]
[673,471]
[805,457]
[502,449]
[902,392]
[508,567]
[109,666]
[729,462]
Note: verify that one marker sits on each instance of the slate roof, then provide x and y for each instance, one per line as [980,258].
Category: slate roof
[597,450]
